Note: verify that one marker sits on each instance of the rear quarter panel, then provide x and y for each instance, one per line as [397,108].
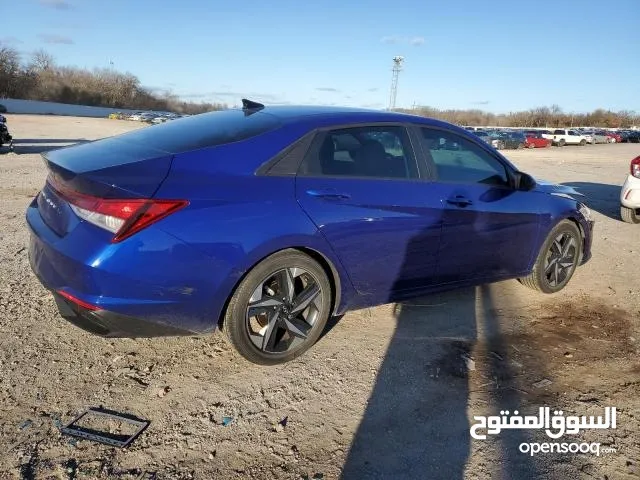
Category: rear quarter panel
[236,219]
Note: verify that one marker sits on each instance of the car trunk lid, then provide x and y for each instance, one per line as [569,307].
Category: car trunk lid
[108,169]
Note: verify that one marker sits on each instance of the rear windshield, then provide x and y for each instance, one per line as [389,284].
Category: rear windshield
[205,130]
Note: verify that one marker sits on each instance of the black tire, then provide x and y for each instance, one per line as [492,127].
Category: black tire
[545,266]
[583,142]
[629,215]
[562,142]
[237,324]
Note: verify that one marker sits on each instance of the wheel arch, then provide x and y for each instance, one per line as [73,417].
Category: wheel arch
[326,263]
[576,221]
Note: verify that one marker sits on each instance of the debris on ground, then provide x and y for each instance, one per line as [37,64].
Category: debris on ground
[86,426]
[542,383]
[162,391]
[226,420]
[279,427]
[26,424]
[471,365]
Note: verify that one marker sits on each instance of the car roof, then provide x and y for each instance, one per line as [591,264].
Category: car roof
[293,113]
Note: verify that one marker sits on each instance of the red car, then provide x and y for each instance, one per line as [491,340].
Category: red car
[536,140]
[616,136]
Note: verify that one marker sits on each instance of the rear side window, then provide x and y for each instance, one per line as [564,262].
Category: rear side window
[200,131]
[376,151]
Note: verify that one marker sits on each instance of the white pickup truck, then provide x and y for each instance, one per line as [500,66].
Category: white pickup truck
[564,136]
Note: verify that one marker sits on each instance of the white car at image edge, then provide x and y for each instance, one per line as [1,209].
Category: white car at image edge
[630,194]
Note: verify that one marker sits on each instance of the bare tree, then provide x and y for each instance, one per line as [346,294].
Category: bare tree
[9,71]
[41,61]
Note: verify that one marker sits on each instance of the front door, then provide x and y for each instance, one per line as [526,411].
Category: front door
[489,229]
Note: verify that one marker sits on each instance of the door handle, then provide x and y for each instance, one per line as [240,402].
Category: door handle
[329,194]
[459,200]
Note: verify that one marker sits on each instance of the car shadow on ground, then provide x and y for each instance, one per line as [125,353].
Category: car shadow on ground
[416,423]
[601,197]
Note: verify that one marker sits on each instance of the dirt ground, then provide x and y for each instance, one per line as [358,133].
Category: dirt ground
[388,392]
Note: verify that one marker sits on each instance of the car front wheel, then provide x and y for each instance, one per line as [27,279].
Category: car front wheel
[557,260]
[629,215]
[279,309]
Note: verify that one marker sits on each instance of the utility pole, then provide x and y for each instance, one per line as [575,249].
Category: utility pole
[397,68]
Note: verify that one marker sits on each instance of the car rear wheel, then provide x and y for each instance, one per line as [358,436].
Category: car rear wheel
[583,142]
[629,215]
[279,309]
[557,260]
[531,145]
[562,142]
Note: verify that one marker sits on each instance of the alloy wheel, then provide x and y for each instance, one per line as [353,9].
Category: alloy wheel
[283,310]
[561,259]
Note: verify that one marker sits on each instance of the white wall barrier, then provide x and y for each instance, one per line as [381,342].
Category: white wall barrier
[51,108]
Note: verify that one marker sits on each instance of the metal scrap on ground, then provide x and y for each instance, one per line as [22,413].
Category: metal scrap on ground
[121,440]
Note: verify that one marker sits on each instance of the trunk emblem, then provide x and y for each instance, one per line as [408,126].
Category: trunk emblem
[48,200]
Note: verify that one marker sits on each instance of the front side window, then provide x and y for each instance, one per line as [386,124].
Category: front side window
[376,151]
[459,160]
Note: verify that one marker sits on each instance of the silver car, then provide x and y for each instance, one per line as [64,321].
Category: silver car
[599,137]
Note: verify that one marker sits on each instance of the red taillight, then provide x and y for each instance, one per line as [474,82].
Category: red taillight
[150,212]
[77,301]
[635,167]
[123,217]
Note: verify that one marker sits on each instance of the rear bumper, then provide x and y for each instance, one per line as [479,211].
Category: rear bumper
[110,324]
[149,285]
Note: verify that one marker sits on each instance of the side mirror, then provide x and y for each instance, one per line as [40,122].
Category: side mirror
[524,182]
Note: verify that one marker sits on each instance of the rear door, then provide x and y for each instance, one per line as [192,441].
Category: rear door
[489,229]
[362,188]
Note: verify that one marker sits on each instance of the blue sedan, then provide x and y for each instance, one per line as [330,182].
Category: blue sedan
[266,221]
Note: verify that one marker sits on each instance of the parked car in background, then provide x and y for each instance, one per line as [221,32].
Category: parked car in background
[536,140]
[512,139]
[630,194]
[147,117]
[614,137]
[548,134]
[588,136]
[490,140]
[628,136]
[599,136]
[564,136]
[156,232]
